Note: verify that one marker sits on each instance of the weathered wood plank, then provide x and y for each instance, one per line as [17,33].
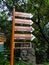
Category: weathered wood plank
[23,28]
[23,44]
[24,36]
[1,42]
[2,37]
[23,47]
[22,14]
[23,21]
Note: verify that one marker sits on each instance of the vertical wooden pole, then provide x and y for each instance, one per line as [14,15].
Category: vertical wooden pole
[12,41]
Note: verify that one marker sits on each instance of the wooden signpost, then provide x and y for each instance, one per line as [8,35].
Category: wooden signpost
[22,20]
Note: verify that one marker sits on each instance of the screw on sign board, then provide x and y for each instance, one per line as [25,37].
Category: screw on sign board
[21,28]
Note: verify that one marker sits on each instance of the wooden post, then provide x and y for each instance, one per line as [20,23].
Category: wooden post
[12,41]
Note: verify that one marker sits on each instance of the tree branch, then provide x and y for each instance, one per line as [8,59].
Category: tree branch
[40,27]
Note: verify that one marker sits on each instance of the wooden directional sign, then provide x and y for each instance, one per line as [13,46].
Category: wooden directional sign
[25,15]
[22,45]
[2,37]
[23,28]
[24,36]
[1,33]
[2,40]
[23,21]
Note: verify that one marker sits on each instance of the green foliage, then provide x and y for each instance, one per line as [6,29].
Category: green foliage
[46,63]
[40,9]
[19,63]
[3,60]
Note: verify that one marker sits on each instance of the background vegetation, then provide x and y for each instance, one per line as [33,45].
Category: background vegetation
[40,10]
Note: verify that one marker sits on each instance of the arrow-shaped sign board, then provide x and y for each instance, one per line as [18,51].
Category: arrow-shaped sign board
[2,39]
[23,21]
[23,45]
[22,14]
[24,37]
[23,28]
